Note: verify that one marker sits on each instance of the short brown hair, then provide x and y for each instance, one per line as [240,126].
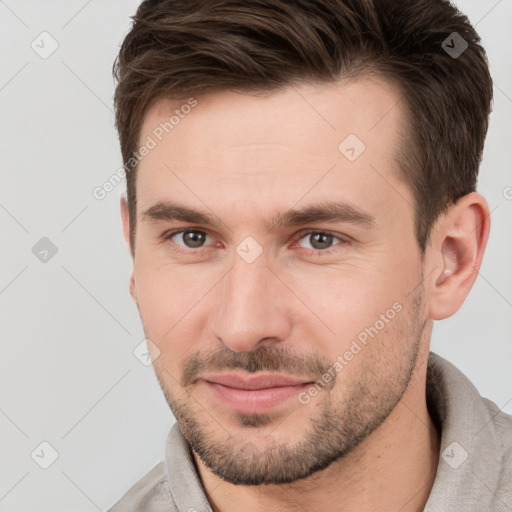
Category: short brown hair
[176,48]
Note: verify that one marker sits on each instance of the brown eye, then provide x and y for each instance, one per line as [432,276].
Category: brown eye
[318,240]
[194,239]
[189,238]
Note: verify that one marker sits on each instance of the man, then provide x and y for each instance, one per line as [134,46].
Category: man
[301,206]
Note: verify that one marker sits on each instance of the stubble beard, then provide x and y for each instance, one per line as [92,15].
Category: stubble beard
[333,430]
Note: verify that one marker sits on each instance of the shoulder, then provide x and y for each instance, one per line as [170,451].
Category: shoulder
[481,477]
[150,494]
[502,430]
[502,423]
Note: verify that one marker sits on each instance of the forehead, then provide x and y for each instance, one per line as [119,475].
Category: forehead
[295,114]
[306,139]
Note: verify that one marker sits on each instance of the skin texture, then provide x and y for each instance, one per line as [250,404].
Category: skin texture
[366,441]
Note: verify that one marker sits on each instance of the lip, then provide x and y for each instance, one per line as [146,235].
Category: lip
[254,394]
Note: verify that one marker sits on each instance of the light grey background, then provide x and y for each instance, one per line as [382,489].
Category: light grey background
[68,375]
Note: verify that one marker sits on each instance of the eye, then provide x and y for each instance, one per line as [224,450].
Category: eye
[320,241]
[188,238]
[313,242]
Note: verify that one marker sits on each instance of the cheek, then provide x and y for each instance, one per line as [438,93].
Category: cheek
[352,303]
[165,290]
[343,298]
[170,305]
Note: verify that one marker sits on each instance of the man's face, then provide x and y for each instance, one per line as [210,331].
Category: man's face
[251,304]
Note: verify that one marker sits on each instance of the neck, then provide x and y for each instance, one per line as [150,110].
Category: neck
[392,469]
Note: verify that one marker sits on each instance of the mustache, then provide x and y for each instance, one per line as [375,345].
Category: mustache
[271,359]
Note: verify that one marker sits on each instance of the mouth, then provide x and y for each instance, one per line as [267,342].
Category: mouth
[254,394]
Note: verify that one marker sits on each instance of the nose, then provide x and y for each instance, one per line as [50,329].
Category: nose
[250,307]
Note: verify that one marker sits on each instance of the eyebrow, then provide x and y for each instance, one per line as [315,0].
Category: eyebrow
[321,212]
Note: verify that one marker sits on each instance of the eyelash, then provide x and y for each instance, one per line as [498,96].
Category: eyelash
[344,240]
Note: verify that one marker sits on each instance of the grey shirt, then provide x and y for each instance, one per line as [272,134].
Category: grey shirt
[475,464]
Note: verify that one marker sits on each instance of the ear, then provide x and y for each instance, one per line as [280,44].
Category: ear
[455,252]
[125,218]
